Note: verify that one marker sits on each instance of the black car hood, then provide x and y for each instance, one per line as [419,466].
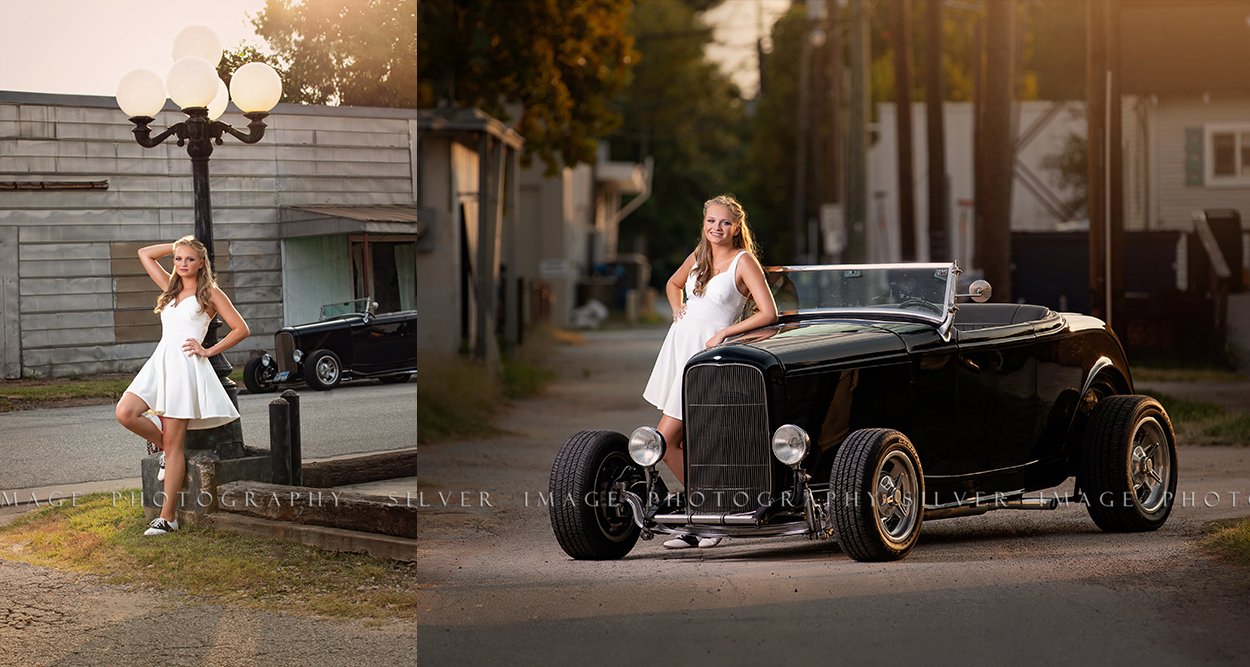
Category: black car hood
[811,344]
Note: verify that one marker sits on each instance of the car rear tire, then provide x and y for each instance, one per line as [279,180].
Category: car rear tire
[585,478]
[258,378]
[322,370]
[876,495]
[1128,464]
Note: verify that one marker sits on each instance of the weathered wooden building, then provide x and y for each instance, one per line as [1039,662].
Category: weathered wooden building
[323,209]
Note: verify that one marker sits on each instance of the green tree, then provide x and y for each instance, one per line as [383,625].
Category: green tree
[349,52]
[683,111]
[556,65]
[233,59]
[770,154]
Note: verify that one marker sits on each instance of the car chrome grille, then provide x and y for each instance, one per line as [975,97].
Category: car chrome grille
[284,351]
[727,444]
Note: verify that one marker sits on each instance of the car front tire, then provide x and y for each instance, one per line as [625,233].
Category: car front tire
[257,377]
[322,370]
[1128,464]
[587,523]
[876,495]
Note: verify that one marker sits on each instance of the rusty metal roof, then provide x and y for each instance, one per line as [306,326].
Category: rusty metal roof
[365,213]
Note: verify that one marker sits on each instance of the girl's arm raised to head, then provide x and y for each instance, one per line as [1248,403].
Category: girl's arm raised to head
[148,256]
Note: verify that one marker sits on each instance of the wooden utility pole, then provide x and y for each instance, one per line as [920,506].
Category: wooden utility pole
[902,103]
[993,234]
[935,135]
[856,193]
[1105,193]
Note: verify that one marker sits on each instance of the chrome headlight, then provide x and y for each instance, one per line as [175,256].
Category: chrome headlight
[790,444]
[265,359]
[646,446]
[297,355]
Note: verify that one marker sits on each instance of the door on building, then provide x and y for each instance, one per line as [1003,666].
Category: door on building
[385,268]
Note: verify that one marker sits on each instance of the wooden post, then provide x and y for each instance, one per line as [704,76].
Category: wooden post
[280,441]
[935,135]
[292,398]
[902,101]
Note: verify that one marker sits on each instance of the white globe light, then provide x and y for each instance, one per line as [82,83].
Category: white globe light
[218,105]
[255,87]
[141,93]
[192,82]
[200,42]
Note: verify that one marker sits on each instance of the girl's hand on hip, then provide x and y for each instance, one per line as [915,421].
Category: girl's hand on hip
[192,348]
[679,313]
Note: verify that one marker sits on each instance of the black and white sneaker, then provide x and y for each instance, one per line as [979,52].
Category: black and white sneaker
[160,473]
[160,526]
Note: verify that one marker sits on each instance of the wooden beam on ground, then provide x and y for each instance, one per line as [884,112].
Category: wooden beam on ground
[361,469]
[321,507]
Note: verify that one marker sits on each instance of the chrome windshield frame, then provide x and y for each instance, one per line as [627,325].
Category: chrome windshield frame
[942,323]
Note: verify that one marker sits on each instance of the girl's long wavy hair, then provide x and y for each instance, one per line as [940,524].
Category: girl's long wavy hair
[742,239]
[204,277]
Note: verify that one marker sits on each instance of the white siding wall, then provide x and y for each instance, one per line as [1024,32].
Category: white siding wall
[1173,200]
[66,286]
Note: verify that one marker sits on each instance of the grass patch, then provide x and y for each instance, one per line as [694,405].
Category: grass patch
[460,398]
[1202,423]
[522,379]
[29,394]
[104,537]
[456,399]
[1231,540]
[1157,372]
[32,393]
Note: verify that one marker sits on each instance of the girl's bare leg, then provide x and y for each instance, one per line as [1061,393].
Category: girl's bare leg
[129,413]
[175,437]
[674,454]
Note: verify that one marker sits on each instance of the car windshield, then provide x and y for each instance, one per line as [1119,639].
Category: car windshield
[355,306]
[919,290]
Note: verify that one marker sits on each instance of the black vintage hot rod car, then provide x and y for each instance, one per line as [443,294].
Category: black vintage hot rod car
[347,342]
[880,399]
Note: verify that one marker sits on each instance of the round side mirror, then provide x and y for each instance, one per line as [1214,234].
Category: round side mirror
[980,291]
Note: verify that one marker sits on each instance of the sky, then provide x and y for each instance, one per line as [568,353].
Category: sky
[736,25]
[86,46]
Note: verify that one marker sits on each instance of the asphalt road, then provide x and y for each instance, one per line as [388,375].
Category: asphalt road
[1030,587]
[40,448]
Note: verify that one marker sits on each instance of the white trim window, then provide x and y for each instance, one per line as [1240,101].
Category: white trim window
[1227,155]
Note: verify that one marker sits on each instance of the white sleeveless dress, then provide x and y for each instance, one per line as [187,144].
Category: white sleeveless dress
[705,315]
[179,386]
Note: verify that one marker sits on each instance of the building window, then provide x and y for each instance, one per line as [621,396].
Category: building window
[1228,155]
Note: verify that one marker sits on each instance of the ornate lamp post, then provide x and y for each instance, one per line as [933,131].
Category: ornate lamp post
[193,85]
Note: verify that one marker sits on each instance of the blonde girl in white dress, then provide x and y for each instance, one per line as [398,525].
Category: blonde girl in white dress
[716,279]
[177,385]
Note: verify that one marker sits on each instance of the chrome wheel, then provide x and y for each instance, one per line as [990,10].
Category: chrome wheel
[1149,464]
[328,370]
[876,495]
[895,497]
